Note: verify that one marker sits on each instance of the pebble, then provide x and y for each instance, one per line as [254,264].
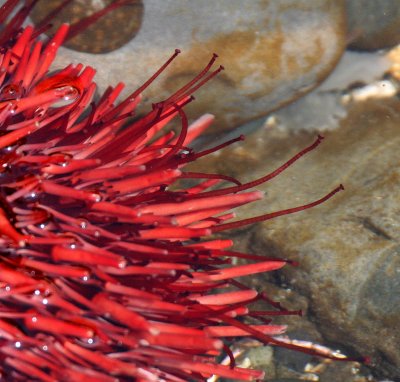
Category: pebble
[110,32]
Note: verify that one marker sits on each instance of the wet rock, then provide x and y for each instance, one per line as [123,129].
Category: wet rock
[348,248]
[394,57]
[261,358]
[373,24]
[284,380]
[273,52]
[258,357]
[326,106]
[288,365]
[110,32]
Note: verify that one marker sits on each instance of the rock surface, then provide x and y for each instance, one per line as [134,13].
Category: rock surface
[325,107]
[273,53]
[348,248]
[373,24]
[110,32]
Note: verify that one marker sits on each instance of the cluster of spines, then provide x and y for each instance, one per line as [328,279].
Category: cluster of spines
[106,271]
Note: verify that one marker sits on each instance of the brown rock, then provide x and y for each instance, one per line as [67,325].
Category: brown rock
[349,247]
[110,32]
[273,53]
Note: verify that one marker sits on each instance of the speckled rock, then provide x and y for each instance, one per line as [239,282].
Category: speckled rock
[348,248]
[373,24]
[109,32]
[273,52]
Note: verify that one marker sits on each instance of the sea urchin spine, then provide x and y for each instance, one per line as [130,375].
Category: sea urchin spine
[106,273]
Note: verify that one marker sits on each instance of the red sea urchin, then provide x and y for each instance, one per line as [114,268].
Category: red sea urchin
[106,273]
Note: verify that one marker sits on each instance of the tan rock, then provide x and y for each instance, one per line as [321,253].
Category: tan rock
[273,52]
[349,247]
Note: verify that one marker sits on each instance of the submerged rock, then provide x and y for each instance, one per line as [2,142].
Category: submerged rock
[348,248]
[110,32]
[274,52]
[373,24]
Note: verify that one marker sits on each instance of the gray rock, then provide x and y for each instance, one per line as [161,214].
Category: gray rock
[324,108]
[373,24]
[273,53]
[349,247]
